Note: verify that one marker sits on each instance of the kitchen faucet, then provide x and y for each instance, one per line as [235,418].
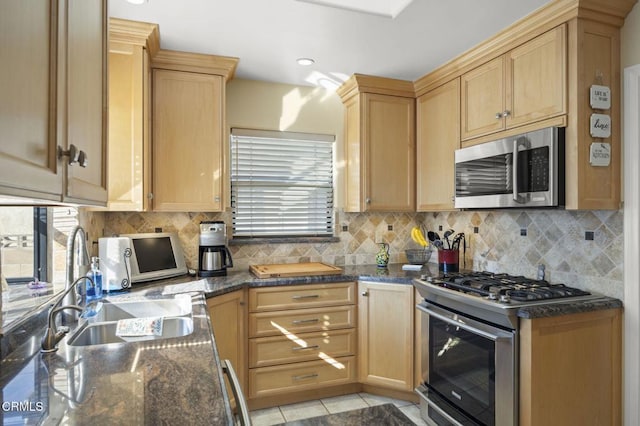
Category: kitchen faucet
[52,335]
[83,263]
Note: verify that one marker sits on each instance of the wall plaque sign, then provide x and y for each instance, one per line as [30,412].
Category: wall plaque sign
[600,154]
[600,125]
[600,97]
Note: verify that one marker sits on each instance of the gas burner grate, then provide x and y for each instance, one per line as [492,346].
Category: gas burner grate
[495,286]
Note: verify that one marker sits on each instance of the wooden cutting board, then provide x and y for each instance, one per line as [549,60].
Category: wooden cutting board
[278,270]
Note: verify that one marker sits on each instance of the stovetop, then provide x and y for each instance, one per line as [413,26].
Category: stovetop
[494,296]
[505,288]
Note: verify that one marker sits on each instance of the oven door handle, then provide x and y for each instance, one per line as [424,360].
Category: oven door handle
[489,334]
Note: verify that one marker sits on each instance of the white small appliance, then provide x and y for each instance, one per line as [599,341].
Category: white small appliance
[115,263]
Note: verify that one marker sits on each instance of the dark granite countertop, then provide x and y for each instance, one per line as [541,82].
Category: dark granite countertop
[169,381]
[176,380]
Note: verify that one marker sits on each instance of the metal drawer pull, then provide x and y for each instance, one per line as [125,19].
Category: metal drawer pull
[305,296]
[302,348]
[305,321]
[306,376]
[241,403]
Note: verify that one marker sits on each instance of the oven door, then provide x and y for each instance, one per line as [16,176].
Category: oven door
[470,376]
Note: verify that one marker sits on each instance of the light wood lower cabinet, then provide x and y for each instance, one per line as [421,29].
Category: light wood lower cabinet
[385,334]
[310,375]
[570,369]
[275,350]
[301,338]
[228,315]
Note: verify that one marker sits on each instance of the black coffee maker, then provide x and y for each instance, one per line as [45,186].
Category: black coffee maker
[213,257]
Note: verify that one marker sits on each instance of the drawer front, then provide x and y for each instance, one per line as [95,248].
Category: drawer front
[301,376]
[283,323]
[301,296]
[274,350]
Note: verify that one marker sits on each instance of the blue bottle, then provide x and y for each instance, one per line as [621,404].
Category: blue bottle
[94,292]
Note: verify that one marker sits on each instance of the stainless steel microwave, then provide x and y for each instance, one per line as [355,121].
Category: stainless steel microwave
[526,170]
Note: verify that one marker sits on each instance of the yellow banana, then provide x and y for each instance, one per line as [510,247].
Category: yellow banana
[416,235]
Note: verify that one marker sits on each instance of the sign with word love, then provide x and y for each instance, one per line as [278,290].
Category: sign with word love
[600,125]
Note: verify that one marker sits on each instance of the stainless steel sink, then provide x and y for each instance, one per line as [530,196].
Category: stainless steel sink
[102,333]
[100,328]
[114,311]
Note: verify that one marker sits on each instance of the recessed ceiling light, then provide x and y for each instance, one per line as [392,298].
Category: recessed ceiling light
[386,8]
[137,1]
[305,62]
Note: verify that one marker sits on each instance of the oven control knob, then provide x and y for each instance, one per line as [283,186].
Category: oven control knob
[505,298]
[493,296]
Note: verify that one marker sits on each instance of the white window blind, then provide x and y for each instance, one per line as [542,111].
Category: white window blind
[281,184]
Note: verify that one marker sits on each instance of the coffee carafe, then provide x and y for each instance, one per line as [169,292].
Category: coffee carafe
[214,257]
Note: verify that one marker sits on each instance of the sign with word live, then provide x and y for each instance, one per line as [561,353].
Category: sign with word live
[600,97]
[600,125]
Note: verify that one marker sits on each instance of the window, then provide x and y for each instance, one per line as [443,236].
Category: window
[281,184]
[32,245]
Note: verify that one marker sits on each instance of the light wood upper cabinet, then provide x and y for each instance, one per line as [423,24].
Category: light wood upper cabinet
[379,144]
[129,179]
[86,97]
[52,96]
[482,99]
[438,136]
[385,335]
[525,85]
[189,130]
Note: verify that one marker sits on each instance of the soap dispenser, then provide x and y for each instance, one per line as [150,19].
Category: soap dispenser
[94,292]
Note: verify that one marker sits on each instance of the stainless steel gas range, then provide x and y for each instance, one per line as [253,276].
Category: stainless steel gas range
[470,344]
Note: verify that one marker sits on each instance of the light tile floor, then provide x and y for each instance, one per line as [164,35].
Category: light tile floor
[338,404]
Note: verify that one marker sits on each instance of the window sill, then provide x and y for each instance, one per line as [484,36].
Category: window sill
[285,240]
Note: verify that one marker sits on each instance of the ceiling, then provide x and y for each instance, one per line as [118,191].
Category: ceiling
[269,35]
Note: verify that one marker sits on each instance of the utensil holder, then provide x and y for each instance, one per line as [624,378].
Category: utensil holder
[448,260]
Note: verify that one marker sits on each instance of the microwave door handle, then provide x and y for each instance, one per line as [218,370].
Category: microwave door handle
[514,177]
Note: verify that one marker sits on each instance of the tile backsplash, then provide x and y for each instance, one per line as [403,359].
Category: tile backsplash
[509,241]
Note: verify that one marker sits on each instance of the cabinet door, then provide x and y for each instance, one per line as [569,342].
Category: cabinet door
[385,333]
[389,153]
[228,315]
[187,141]
[483,99]
[536,79]
[438,127]
[28,93]
[86,52]
[129,162]
[352,152]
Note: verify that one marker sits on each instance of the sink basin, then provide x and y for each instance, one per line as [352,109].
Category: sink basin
[114,311]
[102,333]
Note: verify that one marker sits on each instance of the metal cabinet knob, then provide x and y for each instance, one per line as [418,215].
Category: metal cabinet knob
[506,113]
[498,115]
[368,201]
[365,293]
[74,154]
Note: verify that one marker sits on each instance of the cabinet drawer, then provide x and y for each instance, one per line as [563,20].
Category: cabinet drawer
[301,320]
[274,350]
[301,376]
[301,296]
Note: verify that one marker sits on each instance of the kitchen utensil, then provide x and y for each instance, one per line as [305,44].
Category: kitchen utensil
[456,240]
[447,234]
[433,236]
